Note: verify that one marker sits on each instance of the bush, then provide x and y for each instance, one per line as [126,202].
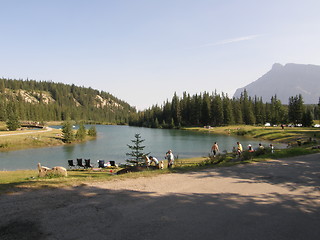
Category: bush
[213,160]
[4,145]
[242,132]
[246,155]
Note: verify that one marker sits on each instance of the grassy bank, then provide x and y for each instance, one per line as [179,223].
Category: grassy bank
[16,140]
[13,181]
[286,135]
[24,139]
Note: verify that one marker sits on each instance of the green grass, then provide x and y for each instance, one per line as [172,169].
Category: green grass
[13,181]
[286,135]
[31,139]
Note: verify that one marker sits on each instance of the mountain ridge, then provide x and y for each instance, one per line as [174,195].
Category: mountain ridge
[286,81]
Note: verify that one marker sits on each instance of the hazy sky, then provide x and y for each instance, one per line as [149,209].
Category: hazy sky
[142,51]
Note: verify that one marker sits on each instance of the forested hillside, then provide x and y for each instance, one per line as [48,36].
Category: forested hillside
[47,101]
[218,109]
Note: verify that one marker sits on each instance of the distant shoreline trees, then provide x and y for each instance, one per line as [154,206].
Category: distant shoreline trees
[47,101]
[218,109]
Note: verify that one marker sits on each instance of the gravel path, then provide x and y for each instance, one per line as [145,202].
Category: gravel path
[278,199]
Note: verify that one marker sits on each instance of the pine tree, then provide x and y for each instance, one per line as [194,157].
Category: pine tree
[247,109]
[92,132]
[81,132]
[217,110]
[227,111]
[67,131]
[205,110]
[13,122]
[307,119]
[136,154]
[295,109]
[175,110]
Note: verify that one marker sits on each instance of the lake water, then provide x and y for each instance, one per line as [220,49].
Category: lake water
[111,144]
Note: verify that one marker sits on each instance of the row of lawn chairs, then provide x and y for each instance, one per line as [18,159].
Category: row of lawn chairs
[87,163]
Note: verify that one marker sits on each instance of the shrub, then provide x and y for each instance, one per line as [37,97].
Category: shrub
[241,132]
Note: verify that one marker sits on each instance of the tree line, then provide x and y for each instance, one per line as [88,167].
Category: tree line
[60,102]
[47,101]
[214,109]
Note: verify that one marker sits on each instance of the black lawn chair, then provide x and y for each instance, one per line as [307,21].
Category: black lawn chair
[79,163]
[71,164]
[101,164]
[87,164]
[112,163]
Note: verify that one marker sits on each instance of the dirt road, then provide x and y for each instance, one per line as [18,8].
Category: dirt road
[271,200]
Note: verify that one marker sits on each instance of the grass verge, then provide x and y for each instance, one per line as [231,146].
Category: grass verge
[286,135]
[20,180]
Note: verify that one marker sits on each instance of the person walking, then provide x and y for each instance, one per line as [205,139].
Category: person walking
[214,149]
[170,158]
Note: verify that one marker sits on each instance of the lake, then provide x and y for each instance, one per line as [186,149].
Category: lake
[111,144]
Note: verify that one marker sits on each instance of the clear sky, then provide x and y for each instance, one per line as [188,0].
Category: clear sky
[142,51]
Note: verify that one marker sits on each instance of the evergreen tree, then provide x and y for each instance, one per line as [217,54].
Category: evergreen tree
[13,122]
[175,110]
[81,132]
[156,123]
[307,119]
[237,112]
[227,111]
[186,109]
[92,132]
[205,111]
[295,109]
[67,132]
[136,154]
[195,109]
[217,118]
[247,109]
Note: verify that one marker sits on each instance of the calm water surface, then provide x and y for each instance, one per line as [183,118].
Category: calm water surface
[111,144]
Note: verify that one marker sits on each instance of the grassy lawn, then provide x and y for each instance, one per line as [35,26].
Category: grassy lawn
[286,135]
[24,139]
[29,139]
[15,181]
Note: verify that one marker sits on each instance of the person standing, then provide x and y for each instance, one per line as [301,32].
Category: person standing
[272,148]
[239,149]
[215,149]
[170,158]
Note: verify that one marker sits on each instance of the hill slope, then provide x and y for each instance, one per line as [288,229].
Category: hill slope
[44,101]
[286,81]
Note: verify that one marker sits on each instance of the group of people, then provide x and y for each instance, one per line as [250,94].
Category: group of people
[169,156]
[214,150]
[239,149]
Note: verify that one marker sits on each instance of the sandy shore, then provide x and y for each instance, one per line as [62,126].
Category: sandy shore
[278,199]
